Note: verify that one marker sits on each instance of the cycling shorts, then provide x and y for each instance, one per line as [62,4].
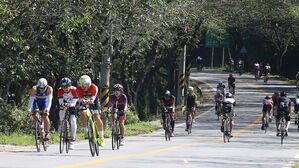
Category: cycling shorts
[287,115]
[267,107]
[229,110]
[122,115]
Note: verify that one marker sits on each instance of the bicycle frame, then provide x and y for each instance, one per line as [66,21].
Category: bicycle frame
[92,133]
[40,127]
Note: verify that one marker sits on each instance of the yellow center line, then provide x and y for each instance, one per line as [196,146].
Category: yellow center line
[171,148]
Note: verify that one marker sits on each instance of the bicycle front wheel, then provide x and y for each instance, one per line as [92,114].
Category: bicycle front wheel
[167,129]
[38,137]
[91,137]
[189,123]
[117,134]
[113,137]
[96,140]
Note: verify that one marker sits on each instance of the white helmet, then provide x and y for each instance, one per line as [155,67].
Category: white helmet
[85,81]
[190,89]
[42,83]
[229,95]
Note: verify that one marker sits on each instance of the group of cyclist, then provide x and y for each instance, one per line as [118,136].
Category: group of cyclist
[280,103]
[225,102]
[76,99]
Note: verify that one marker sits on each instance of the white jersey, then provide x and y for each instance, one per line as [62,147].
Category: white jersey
[230,101]
[71,97]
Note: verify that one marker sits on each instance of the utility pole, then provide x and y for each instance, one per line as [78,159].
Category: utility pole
[105,70]
[223,50]
[212,58]
[181,81]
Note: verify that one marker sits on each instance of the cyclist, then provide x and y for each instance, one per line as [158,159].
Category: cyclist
[232,64]
[87,93]
[199,61]
[257,68]
[190,102]
[168,103]
[267,105]
[67,98]
[240,66]
[218,101]
[119,99]
[231,83]
[267,71]
[228,107]
[221,88]
[41,99]
[296,108]
[284,104]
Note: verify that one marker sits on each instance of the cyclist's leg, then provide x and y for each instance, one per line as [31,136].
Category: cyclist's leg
[46,117]
[231,120]
[122,119]
[83,118]
[172,123]
[288,119]
[187,113]
[73,122]
[163,119]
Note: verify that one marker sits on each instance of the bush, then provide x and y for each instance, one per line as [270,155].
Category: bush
[13,119]
[132,117]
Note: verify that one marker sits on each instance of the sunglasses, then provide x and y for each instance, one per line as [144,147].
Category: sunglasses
[116,91]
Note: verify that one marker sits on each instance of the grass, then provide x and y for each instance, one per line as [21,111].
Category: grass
[22,139]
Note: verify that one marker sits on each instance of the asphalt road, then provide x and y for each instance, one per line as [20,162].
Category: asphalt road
[250,146]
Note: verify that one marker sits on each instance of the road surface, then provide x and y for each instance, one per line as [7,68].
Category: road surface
[250,146]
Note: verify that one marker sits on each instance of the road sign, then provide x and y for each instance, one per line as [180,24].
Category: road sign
[217,40]
[243,50]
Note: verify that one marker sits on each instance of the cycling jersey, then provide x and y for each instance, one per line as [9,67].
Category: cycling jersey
[267,105]
[71,97]
[169,103]
[268,102]
[90,94]
[190,101]
[275,99]
[221,89]
[121,102]
[231,80]
[228,104]
[41,102]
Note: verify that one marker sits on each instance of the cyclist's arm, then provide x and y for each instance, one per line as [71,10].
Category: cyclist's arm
[75,97]
[31,99]
[49,98]
[60,97]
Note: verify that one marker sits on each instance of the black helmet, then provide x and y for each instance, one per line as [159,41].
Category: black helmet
[283,93]
[65,82]
[267,97]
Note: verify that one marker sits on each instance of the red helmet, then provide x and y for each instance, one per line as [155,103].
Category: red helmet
[230,74]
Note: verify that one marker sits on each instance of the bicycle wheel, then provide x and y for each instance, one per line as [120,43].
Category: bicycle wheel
[96,143]
[266,122]
[66,136]
[117,134]
[45,145]
[167,129]
[38,140]
[225,130]
[282,129]
[91,137]
[189,122]
[61,137]
[113,137]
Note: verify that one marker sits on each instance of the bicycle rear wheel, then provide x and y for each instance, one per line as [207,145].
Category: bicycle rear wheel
[38,137]
[282,129]
[91,137]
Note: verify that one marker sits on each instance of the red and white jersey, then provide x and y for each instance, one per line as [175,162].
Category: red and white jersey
[71,97]
[90,94]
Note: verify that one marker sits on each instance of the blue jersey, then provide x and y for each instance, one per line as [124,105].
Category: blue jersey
[41,101]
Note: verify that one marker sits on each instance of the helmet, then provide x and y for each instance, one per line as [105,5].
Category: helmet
[220,82]
[229,95]
[85,81]
[267,97]
[167,93]
[230,74]
[42,83]
[65,82]
[118,87]
[190,89]
[283,93]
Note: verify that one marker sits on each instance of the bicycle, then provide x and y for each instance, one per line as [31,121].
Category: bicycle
[199,66]
[189,120]
[40,132]
[93,135]
[226,124]
[266,121]
[65,131]
[282,126]
[168,128]
[115,129]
